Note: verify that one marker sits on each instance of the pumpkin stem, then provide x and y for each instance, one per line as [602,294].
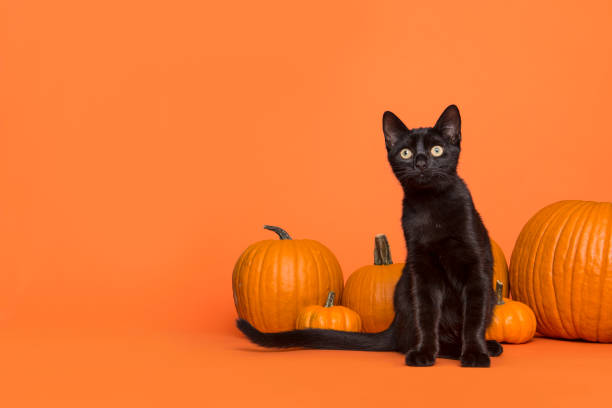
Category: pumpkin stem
[330,299]
[281,232]
[499,290]
[382,253]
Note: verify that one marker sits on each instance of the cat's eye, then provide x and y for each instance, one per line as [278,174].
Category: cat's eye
[437,151]
[406,153]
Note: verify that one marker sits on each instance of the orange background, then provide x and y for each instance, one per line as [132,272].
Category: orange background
[143,145]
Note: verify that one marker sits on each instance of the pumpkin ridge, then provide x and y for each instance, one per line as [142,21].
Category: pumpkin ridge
[531,322]
[237,301]
[346,322]
[525,269]
[515,258]
[235,281]
[243,292]
[245,306]
[247,285]
[329,279]
[371,291]
[585,280]
[521,263]
[275,252]
[602,276]
[312,259]
[357,283]
[321,276]
[246,259]
[574,240]
[596,269]
[313,265]
[273,279]
[259,299]
[376,287]
[518,264]
[246,276]
[588,271]
[591,246]
[337,295]
[533,264]
[522,325]
[582,216]
[359,291]
[505,327]
[557,309]
[353,294]
[604,269]
[560,215]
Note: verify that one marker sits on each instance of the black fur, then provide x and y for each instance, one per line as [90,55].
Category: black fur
[444,299]
[320,339]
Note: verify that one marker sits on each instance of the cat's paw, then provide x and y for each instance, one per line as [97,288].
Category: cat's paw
[494,348]
[475,359]
[420,358]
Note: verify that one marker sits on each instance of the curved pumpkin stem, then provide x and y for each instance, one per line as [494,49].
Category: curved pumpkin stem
[499,290]
[330,299]
[382,253]
[282,234]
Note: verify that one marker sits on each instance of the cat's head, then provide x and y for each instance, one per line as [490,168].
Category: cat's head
[424,158]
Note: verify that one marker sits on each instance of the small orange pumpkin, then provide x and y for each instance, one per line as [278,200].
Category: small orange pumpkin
[513,322]
[500,267]
[328,317]
[369,290]
[274,279]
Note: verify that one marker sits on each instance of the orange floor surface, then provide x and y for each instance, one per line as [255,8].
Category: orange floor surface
[67,369]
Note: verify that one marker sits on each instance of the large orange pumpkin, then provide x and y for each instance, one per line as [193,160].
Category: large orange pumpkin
[500,268]
[328,317]
[369,290]
[274,279]
[561,267]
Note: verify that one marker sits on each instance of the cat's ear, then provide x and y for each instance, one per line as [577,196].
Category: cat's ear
[393,128]
[449,124]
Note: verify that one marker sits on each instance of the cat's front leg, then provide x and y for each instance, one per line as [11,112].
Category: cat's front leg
[426,303]
[476,303]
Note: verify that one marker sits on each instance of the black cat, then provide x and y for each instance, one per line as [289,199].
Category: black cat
[444,299]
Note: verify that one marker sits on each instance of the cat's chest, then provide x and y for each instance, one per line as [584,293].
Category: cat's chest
[428,224]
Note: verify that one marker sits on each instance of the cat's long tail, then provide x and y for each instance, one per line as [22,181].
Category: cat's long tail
[321,339]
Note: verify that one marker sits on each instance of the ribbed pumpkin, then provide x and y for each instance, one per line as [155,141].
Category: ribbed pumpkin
[500,268]
[274,279]
[369,290]
[513,322]
[328,317]
[561,267]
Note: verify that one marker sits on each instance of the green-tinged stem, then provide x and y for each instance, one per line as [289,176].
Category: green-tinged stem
[330,299]
[382,253]
[281,232]
[499,290]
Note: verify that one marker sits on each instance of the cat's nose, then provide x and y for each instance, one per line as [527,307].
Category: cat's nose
[420,162]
